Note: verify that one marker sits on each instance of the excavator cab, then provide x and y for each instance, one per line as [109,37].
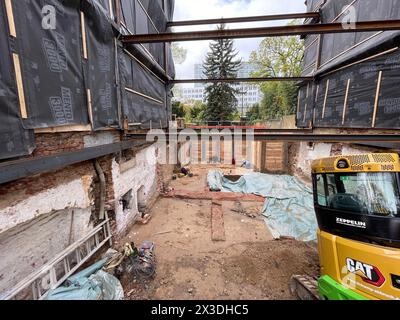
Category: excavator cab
[357,205]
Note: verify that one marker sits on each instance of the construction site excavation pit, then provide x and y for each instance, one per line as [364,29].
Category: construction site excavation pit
[210,248]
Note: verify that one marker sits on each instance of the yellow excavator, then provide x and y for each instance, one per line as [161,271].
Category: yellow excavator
[357,206]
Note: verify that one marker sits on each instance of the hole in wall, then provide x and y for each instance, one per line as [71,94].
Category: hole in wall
[141,199]
[127,200]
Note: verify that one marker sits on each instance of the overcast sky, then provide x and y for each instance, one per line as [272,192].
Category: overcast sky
[206,9]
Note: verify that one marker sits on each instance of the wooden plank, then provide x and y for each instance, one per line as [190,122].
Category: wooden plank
[70,128]
[217,222]
[10,18]
[325,99]
[20,86]
[143,95]
[346,101]
[363,60]
[378,90]
[89,105]
[83,34]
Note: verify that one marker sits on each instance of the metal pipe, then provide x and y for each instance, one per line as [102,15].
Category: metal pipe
[102,179]
[303,15]
[290,30]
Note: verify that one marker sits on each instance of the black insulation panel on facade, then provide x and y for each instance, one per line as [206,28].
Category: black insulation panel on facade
[14,139]
[63,86]
[51,63]
[101,66]
[346,67]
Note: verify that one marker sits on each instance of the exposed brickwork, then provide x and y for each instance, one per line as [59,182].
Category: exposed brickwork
[20,189]
[275,157]
[52,143]
[106,165]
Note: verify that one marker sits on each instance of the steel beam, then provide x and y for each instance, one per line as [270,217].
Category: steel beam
[233,80]
[290,30]
[18,169]
[304,15]
[268,135]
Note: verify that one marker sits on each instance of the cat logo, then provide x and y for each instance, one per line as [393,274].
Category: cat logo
[369,274]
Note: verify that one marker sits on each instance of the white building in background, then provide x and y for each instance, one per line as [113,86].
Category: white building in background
[249,94]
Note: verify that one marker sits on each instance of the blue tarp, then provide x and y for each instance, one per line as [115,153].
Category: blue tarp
[91,283]
[288,207]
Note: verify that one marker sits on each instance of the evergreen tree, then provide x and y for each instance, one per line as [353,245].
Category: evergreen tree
[221,62]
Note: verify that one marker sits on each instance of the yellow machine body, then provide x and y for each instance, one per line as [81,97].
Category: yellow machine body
[355,263]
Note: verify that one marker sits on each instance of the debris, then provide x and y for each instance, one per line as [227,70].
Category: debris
[145,219]
[162,232]
[142,261]
[91,283]
[217,222]
[185,171]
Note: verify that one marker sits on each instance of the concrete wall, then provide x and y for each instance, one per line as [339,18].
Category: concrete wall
[302,154]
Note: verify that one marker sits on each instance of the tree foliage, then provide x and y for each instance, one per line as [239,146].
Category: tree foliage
[221,62]
[178,53]
[278,57]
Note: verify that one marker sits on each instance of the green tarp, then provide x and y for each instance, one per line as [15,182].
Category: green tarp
[288,207]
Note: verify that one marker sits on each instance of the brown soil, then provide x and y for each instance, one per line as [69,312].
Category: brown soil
[247,265]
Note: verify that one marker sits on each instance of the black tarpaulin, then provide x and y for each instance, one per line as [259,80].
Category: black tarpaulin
[143,95]
[51,63]
[101,66]
[343,70]
[305,107]
[342,47]
[14,139]
[359,83]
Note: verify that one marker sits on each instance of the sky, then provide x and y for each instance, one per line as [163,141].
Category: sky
[208,9]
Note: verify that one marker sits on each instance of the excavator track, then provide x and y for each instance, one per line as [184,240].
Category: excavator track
[304,287]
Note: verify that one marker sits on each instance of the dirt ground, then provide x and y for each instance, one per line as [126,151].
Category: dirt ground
[249,264]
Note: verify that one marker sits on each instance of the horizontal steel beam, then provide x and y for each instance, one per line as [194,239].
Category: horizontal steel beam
[233,80]
[290,30]
[268,135]
[18,169]
[304,15]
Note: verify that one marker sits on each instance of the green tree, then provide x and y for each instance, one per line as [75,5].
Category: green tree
[254,113]
[197,111]
[178,53]
[221,62]
[178,109]
[279,57]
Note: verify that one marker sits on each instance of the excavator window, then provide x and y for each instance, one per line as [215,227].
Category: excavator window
[365,192]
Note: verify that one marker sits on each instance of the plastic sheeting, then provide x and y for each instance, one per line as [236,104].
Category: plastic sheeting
[51,64]
[143,95]
[100,71]
[14,139]
[288,207]
[325,104]
[90,284]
